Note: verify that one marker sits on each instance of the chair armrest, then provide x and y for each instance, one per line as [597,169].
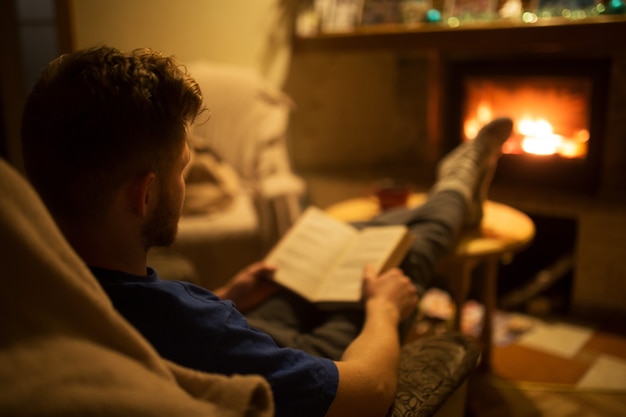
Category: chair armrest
[431,369]
[279,202]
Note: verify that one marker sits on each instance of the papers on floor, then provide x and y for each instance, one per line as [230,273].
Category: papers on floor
[556,338]
[607,372]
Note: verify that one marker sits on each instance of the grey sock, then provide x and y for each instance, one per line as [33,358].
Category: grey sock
[469,168]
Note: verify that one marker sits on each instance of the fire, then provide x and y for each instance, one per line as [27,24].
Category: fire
[539,137]
[551,113]
[533,136]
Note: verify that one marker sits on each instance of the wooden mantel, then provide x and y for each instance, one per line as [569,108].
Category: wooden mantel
[601,32]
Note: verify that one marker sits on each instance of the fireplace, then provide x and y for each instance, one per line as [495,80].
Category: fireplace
[559,109]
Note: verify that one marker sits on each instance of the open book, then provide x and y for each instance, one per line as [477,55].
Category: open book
[323,259]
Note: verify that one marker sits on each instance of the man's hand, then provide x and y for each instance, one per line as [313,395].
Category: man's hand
[368,370]
[392,287]
[250,286]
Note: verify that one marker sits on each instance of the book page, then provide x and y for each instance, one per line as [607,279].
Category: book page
[374,246]
[309,250]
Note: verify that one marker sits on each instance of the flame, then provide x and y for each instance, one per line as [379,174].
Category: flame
[542,145]
[550,112]
[532,136]
[535,128]
[539,137]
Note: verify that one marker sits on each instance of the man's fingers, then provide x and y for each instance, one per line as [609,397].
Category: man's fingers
[370,271]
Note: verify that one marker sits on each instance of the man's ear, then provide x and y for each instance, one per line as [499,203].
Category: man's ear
[143,191]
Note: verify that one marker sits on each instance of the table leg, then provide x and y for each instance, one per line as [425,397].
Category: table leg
[489,284]
[460,280]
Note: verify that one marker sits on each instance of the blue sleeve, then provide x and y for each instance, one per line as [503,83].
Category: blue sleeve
[192,327]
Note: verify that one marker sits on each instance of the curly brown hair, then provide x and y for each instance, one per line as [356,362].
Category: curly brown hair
[98,117]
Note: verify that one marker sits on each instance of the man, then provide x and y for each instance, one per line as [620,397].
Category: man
[104,141]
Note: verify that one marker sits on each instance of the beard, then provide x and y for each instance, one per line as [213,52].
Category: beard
[161,226]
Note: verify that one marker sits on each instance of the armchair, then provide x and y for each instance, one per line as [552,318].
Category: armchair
[64,349]
[247,130]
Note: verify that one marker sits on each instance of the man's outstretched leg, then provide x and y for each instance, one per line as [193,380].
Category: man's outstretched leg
[454,202]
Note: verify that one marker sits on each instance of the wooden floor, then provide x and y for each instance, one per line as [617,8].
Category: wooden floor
[491,396]
[520,362]
[525,382]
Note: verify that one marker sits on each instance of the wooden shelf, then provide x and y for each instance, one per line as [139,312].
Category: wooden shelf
[556,34]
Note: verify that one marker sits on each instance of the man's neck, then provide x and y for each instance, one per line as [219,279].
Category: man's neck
[108,249]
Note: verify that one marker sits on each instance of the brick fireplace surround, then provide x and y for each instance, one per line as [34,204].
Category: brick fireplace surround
[366,103]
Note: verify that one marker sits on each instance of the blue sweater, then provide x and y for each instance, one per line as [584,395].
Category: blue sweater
[191,326]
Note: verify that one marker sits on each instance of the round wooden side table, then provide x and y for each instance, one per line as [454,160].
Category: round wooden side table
[503,232]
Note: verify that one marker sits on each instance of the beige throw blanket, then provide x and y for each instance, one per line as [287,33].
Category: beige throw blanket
[64,350]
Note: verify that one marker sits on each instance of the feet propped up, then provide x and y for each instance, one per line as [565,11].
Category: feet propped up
[469,168]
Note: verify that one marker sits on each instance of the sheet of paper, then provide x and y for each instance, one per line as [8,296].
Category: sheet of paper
[607,372]
[556,338]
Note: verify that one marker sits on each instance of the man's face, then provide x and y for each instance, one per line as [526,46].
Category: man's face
[161,225]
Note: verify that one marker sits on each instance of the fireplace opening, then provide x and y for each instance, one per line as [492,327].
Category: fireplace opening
[540,279]
[559,109]
[550,113]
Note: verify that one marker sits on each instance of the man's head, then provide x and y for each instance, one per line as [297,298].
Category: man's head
[99,118]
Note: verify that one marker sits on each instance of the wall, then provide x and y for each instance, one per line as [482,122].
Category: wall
[253,34]
[360,112]
[29,42]
[248,33]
